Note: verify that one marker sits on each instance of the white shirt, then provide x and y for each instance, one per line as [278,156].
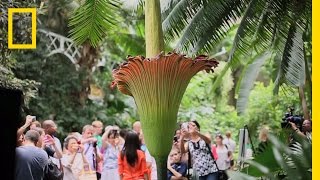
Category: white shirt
[151,160]
[222,158]
[230,143]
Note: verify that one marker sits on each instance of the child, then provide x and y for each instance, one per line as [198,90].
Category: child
[132,161]
[176,168]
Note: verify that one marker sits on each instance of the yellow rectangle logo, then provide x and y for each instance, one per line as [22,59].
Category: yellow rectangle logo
[33,12]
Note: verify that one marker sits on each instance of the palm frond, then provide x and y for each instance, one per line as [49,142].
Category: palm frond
[248,78]
[92,20]
[295,161]
[265,158]
[293,58]
[250,29]
[175,19]
[201,23]
[292,67]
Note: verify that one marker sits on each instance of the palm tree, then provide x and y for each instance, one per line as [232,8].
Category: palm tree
[276,29]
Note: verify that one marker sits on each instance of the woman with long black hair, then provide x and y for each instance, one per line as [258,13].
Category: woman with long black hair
[132,161]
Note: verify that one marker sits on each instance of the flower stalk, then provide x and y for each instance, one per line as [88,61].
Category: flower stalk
[157,86]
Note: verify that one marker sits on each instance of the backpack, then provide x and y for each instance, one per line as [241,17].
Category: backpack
[53,172]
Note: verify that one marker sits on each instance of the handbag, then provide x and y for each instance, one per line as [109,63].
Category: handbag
[221,173]
[53,172]
[87,173]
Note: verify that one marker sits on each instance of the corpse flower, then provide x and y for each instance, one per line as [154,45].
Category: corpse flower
[157,86]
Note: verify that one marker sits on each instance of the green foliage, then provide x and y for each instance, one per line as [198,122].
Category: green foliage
[200,24]
[214,115]
[282,161]
[92,20]
[59,92]
[209,108]
[21,34]
[126,39]
[281,27]
[247,79]
[267,109]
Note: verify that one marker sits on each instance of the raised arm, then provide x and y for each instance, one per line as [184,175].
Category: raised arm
[183,146]
[25,126]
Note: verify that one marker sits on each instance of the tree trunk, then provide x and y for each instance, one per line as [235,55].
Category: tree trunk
[153,28]
[86,62]
[232,93]
[304,103]
[308,85]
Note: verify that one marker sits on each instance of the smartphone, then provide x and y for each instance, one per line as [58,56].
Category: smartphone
[34,118]
[185,126]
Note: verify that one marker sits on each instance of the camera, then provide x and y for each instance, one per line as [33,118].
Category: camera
[175,138]
[94,144]
[185,126]
[34,118]
[290,117]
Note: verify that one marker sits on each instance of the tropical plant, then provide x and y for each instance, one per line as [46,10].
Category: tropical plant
[157,86]
[280,161]
[92,20]
[280,27]
[21,34]
[58,93]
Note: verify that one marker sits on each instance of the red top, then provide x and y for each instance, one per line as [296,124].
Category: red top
[214,152]
[132,173]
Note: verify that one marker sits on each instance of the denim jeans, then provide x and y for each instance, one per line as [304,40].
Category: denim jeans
[212,176]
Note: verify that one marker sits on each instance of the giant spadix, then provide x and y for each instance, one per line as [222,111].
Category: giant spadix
[157,86]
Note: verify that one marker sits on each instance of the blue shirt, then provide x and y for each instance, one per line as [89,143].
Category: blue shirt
[31,163]
[110,157]
[179,167]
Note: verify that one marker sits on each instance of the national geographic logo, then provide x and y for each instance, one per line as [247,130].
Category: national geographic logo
[33,12]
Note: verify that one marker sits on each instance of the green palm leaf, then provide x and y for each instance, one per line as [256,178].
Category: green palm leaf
[248,78]
[92,20]
[250,30]
[295,162]
[292,63]
[194,20]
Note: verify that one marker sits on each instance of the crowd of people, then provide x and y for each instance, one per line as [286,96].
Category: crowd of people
[117,153]
[120,153]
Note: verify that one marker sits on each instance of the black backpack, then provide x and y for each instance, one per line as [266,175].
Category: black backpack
[53,172]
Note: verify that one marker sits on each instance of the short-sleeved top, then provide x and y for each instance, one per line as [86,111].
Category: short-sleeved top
[110,157]
[136,172]
[222,158]
[31,163]
[179,167]
[72,171]
[201,158]
[230,143]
